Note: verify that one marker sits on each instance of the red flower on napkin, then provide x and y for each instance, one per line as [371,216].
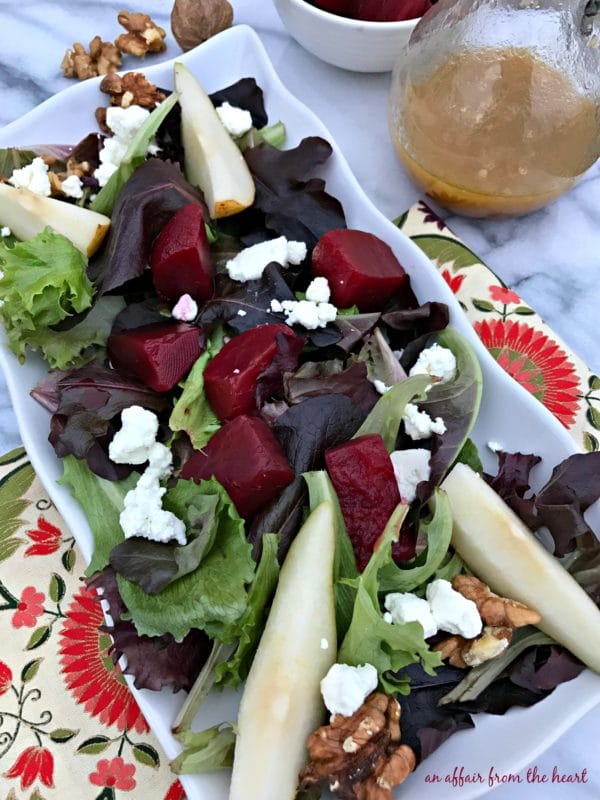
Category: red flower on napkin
[88,669]
[34,762]
[31,606]
[453,281]
[5,677]
[46,538]
[502,295]
[536,362]
[114,773]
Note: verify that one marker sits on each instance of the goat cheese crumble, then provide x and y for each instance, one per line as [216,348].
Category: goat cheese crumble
[407,607]
[410,468]
[249,264]
[437,362]
[5,231]
[380,386]
[345,688]
[72,187]
[236,120]
[453,612]
[419,425]
[318,290]
[33,176]
[185,309]
[307,313]
[124,123]
[143,514]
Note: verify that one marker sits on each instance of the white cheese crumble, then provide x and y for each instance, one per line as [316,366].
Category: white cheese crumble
[453,612]
[407,607]
[324,644]
[410,468]
[5,231]
[185,309]
[132,443]
[307,313]
[318,290]
[249,264]
[241,313]
[143,514]
[345,688]
[494,446]
[72,187]
[124,123]
[380,386]
[33,176]
[438,362]
[419,425]
[153,148]
[236,120]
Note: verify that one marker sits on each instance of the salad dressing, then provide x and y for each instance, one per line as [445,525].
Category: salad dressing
[494,132]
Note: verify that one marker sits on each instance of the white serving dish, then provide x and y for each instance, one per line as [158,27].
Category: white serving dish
[353,44]
[508,415]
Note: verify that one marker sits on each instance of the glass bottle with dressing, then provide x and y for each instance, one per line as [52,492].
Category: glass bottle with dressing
[495,106]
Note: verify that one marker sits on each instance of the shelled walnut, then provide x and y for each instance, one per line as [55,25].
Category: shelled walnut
[103,58]
[463,653]
[143,35]
[130,89]
[360,757]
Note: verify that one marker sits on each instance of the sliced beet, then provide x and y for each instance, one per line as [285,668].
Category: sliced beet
[157,355]
[181,261]
[231,377]
[362,474]
[247,460]
[361,269]
[388,10]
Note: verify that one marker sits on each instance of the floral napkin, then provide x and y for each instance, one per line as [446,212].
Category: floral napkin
[69,727]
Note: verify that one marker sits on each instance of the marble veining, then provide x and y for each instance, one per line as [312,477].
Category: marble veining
[552,256]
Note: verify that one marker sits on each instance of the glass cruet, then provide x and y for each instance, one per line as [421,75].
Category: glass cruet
[494,105]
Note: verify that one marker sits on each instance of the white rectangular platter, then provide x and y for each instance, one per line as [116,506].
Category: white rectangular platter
[509,415]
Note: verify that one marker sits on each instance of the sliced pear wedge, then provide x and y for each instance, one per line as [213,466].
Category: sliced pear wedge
[282,703]
[213,162]
[27,214]
[501,551]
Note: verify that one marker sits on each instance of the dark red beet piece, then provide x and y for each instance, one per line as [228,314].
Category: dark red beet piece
[181,261]
[388,10]
[361,269]
[362,474]
[341,7]
[247,460]
[157,355]
[231,377]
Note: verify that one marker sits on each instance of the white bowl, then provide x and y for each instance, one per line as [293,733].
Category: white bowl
[348,43]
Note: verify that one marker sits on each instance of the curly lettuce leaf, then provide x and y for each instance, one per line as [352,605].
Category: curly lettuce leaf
[213,597]
[438,533]
[192,412]
[102,502]
[205,751]
[370,639]
[233,672]
[44,282]
[136,154]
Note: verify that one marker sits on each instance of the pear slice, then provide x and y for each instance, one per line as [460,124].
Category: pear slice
[27,214]
[213,162]
[282,703]
[501,551]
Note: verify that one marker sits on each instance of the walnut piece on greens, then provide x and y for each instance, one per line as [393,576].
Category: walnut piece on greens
[360,757]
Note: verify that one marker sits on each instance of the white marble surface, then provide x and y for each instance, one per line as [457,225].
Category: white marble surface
[552,257]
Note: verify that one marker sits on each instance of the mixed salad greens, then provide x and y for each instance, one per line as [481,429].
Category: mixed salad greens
[226,436]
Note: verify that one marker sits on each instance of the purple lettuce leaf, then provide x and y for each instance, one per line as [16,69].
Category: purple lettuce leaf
[86,404]
[270,381]
[136,315]
[512,483]
[355,328]
[155,662]
[316,378]
[148,200]
[295,204]
[246,94]
[405,325]
[544,668]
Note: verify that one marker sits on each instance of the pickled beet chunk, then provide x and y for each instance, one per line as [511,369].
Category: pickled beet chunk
[181,261]
[361,269]
[363,478]
[159,355]
[231,377]
[388,10]
[247,460]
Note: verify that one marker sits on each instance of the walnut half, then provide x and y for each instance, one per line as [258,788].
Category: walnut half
[103,58]
[360,757]
[143,35]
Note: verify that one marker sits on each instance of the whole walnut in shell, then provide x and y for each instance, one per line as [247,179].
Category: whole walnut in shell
[195,21]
